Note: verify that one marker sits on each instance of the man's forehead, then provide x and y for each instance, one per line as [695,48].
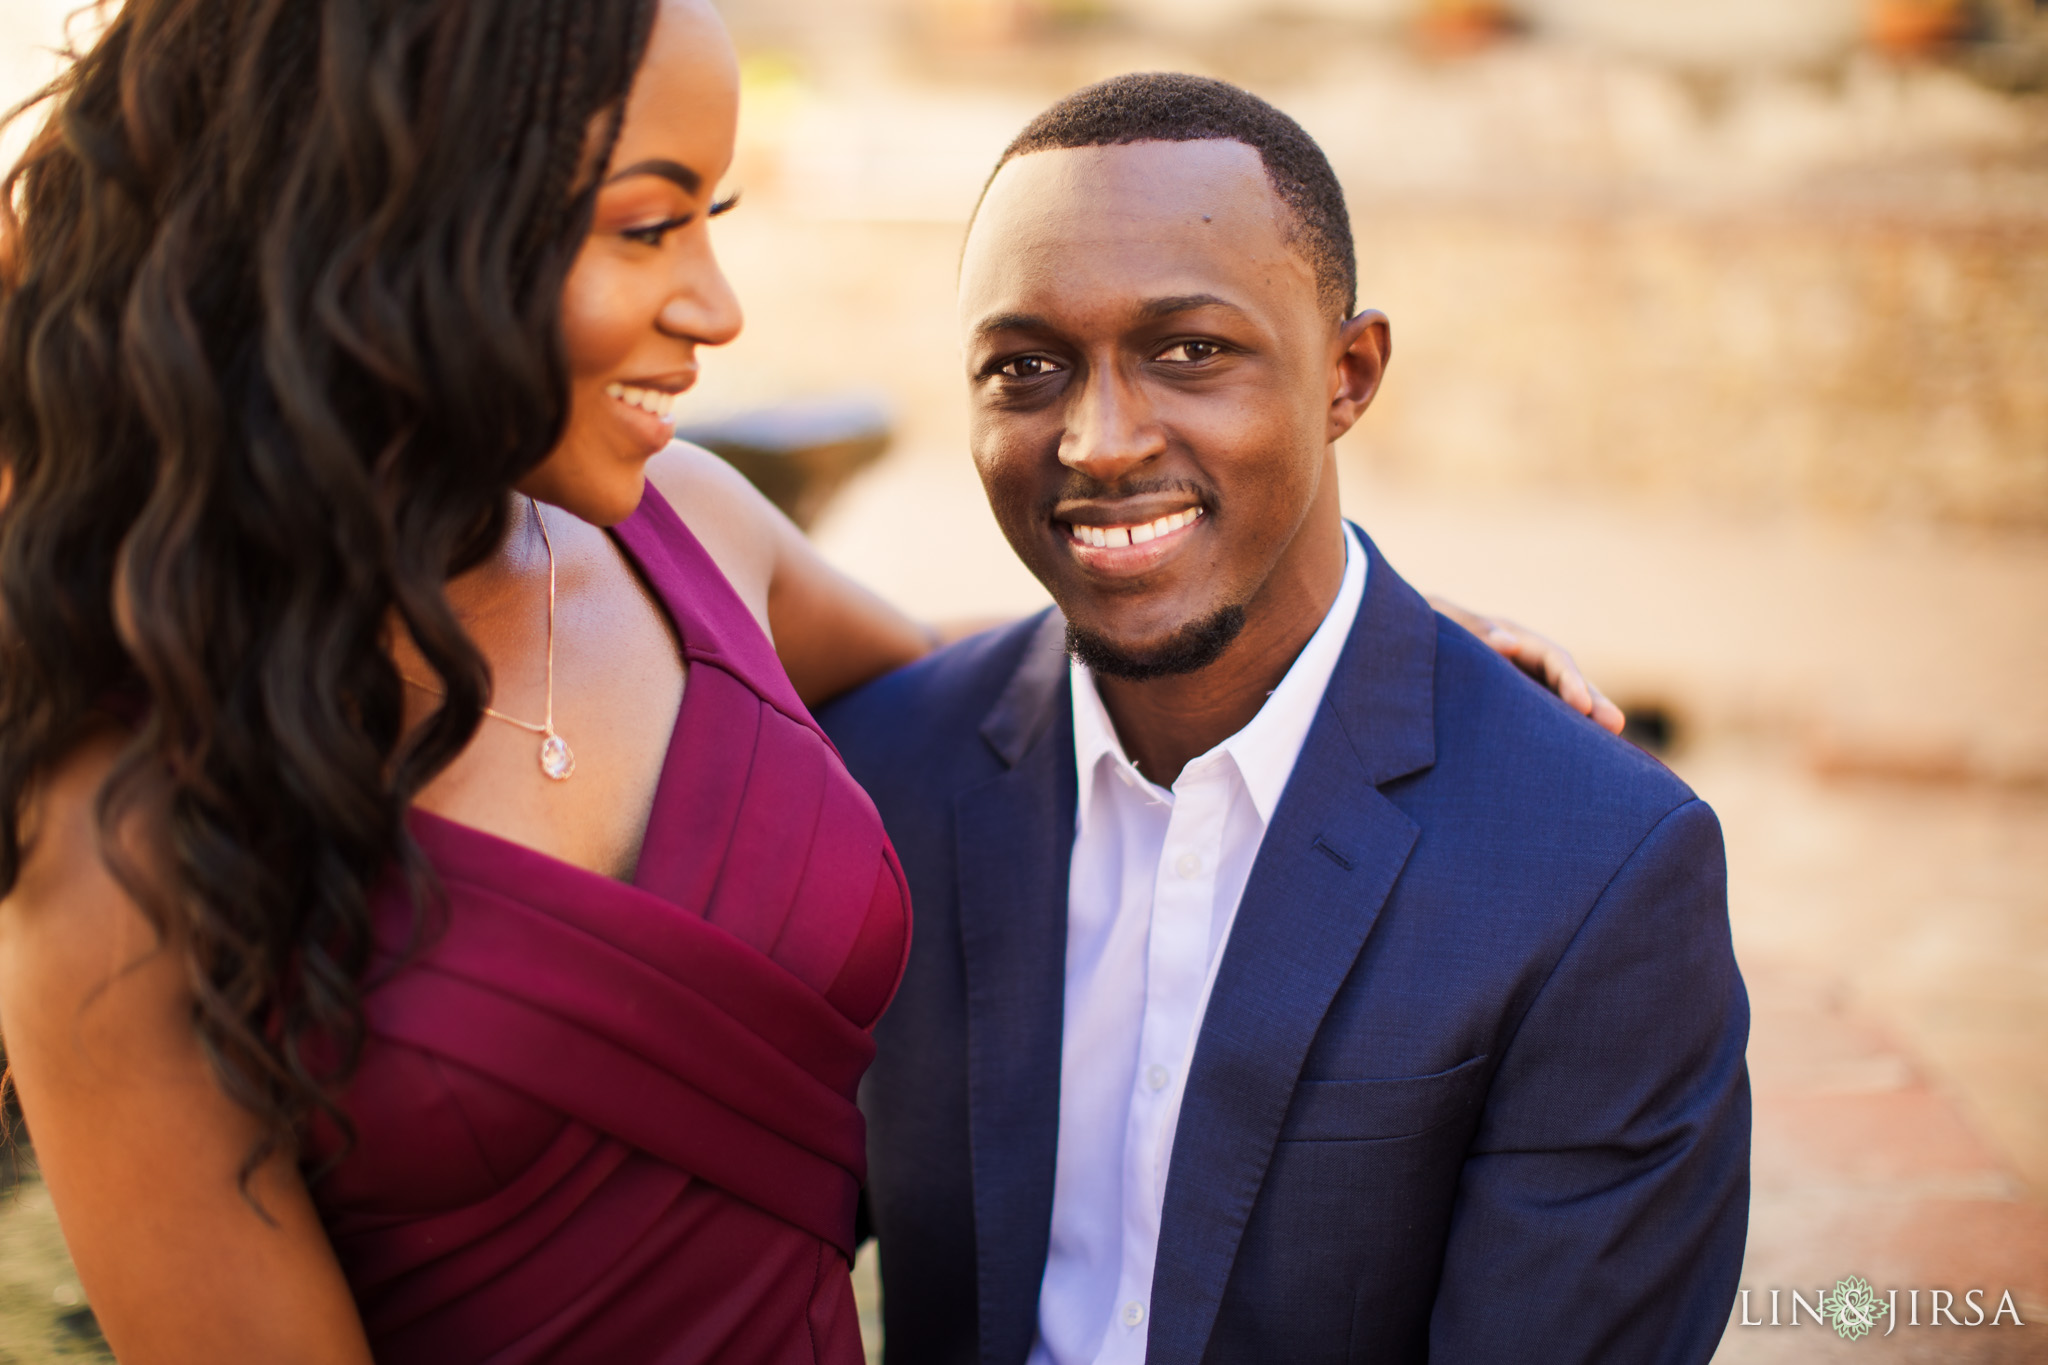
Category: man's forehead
[1159,209]
[1062,191]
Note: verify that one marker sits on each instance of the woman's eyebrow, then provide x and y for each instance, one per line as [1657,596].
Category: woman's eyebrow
[676,171]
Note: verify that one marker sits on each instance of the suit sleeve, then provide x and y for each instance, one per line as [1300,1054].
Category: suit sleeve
[1604,1203]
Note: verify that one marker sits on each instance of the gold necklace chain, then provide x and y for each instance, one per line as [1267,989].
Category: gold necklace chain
[557,759]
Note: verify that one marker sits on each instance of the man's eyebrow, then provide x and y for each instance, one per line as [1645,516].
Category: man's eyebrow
[1152,310]
[1010,322]
[676,171]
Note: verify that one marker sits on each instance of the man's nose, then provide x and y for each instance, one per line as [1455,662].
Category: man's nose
[1111,429]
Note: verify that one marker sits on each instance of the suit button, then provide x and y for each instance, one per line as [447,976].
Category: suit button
[1189,866]
[1134,1313]
[1157,1076]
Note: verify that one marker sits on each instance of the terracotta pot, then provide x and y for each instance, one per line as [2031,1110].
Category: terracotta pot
[1458,26]
[1910,28]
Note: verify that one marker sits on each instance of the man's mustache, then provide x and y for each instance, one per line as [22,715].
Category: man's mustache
[1079,487]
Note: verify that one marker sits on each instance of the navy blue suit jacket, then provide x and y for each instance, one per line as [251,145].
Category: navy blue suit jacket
[1470,1087]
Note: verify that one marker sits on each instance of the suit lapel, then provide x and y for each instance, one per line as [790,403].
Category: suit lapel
[1016,838]
[1328,862]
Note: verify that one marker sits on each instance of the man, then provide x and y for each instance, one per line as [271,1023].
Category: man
[1293,980]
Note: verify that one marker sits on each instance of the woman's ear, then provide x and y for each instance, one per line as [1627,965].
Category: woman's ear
[1366,345]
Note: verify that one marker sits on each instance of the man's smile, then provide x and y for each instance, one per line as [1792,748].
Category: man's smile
[1122,541]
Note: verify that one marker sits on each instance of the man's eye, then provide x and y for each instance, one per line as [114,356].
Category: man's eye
[1191,352]
[654,233]
[1026,367]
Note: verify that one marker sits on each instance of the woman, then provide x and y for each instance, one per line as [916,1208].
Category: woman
[434,928]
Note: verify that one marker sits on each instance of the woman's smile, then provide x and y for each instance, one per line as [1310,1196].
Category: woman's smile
[648,406]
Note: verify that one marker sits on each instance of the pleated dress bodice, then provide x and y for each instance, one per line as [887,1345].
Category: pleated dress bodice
[600,1121]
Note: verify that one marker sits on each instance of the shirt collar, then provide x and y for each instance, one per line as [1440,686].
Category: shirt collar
[1265,750]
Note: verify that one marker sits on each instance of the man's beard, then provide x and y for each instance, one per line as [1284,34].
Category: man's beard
[1190,649]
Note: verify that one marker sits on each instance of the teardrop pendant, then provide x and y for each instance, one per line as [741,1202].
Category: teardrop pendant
[556,759]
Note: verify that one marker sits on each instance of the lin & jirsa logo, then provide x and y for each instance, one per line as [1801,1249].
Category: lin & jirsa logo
[1854,1309]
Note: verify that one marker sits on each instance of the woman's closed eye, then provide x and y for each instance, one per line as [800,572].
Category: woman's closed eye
[654,234]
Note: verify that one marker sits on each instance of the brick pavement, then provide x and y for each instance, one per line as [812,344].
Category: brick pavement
[1865,1165]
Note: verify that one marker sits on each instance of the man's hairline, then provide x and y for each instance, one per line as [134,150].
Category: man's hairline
[1293,233]
[974,214]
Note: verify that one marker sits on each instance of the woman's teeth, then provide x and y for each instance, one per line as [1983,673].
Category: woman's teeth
[662,405]
[1104,536]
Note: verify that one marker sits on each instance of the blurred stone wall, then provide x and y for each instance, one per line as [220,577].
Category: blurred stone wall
[1784,289]
[1768,359]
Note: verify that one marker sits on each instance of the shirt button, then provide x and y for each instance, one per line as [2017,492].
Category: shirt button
[1189,865]
[1134,1313]
[1157,1076]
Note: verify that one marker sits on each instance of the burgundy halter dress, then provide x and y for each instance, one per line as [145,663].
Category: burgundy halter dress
[612,1122]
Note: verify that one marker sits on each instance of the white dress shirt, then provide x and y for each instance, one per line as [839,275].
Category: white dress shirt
[1151,894]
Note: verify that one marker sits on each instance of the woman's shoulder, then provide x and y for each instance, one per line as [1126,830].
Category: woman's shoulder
[737,527]
[71,924]
[61,848]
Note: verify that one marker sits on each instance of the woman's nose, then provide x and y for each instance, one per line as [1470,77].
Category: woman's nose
[703,307]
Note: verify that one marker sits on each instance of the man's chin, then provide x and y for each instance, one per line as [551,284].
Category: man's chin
[1189,649]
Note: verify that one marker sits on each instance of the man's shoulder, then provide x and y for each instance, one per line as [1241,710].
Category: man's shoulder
[1533,824]
[929,711]
[1506,742]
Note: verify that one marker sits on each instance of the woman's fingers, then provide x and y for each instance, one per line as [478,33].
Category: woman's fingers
[1606,714]
[1542,659]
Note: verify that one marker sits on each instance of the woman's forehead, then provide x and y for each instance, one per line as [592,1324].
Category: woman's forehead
[684,103]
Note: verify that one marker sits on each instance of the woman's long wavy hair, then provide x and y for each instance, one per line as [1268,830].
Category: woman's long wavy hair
[280,286]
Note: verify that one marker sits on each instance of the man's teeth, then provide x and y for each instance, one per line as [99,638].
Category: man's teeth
[662,405]
[1104,536]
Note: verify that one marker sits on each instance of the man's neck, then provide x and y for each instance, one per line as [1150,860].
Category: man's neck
[1164,723]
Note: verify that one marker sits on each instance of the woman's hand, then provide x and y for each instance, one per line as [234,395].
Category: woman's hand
[1542,659]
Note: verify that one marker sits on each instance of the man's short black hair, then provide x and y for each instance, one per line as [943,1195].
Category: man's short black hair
[1167,106]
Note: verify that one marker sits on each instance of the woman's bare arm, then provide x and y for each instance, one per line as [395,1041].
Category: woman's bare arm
[137,1141]
[831,633]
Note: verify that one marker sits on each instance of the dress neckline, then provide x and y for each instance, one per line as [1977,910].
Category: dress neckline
[676,613]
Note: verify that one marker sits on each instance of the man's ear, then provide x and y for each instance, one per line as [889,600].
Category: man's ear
[1367,343]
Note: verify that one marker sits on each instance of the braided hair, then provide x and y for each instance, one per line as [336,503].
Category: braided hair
[280,285]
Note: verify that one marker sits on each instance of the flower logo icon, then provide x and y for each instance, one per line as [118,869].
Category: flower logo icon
[1853,1309]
